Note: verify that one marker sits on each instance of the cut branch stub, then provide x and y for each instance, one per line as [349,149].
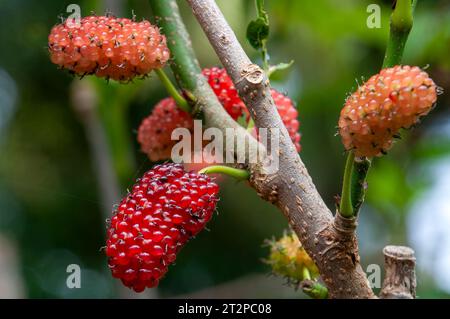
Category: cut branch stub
[400,280]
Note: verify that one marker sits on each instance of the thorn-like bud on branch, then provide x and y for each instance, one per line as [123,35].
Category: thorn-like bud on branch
[289,259]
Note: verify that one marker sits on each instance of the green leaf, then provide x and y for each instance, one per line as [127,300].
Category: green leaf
[279,67]
[258,32]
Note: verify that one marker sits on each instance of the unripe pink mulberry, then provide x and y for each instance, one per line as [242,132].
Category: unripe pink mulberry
[109,47]
[155,131]
[393,99]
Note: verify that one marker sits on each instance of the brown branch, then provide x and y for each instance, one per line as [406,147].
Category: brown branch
[400,278]
[331,243]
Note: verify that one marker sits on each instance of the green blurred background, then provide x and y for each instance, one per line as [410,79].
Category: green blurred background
[62,168]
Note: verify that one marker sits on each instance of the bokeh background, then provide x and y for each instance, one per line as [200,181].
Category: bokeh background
[63,167]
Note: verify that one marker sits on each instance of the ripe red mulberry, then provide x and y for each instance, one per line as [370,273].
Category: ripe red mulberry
[165,209]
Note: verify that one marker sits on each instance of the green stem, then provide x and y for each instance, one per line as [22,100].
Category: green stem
[239,174]
[183,61]
[360,169]
[401,25]
[353,188]
[306,274]
[250,125]
[314,289]
[346,207]
[259,4]
[172,90]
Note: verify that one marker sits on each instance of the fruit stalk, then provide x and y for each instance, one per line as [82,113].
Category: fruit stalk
[172,90]
[314,289]
[346,207]
[239,174]
[360,170]
[400,27]
[183,60]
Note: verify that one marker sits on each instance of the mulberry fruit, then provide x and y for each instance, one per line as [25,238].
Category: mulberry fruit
[289,259]
[165,209]
[109,47]
[288,114]
[227,94]
[154,134]
[393,99]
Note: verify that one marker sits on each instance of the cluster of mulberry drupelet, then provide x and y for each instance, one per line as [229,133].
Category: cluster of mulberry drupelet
[166,208]
[393,99]
[155,131]
[109,47]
